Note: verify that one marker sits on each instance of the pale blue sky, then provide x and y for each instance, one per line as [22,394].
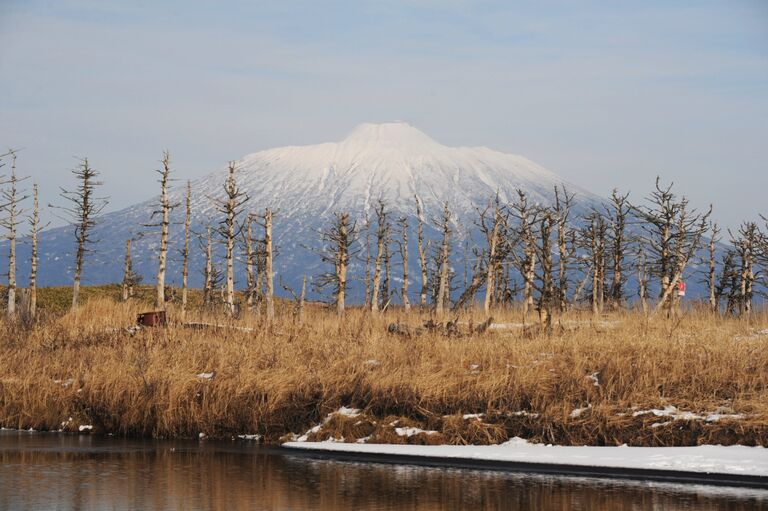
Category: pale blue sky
[606,94]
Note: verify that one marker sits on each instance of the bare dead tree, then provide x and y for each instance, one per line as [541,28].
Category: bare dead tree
[231,207]
[403,244]
[299,299]
[673,233]
[11,200]
[208,277]
[382,234]
[185,251]
[746,245]
[526,218]
[302,298]
[164,212]
[368,256]
[268,271]
[545,285]
[642,277]
[422,253]
[338,240]
[386,285]
[33,259]
[617,216]
[443,292]
[250,281]
[494,231]
[565,234]
[593,236]
[127,270]
[714,303]
[728,283]
[82,208]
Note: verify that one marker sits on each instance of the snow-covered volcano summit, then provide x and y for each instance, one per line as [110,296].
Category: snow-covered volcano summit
[392,161]
[305,185]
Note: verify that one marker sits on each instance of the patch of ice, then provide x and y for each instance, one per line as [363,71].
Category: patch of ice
[85,427]
[206,376]
[473,416]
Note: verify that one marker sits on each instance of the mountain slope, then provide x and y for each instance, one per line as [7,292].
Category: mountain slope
[305,186]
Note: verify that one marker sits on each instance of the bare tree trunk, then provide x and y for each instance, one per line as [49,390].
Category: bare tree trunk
[443,288]
[342,261]
[601,268]
[493,249]
[127,270]
[595,273]
[231,208]
[301,300]
[268,272]
[713,301]
[404,257]
[83,212]
[185,264]
[250,282]
[386,286]
[367,276]
[562,210]
[547,295]
[208,283]
[422,255]
[12,203]
[165,211]
[642,279]
[33,257]
[381,234]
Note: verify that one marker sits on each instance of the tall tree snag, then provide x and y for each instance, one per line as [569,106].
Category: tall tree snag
[164,213]
[185,251]
[11,201]
[82,208]
[422,253]
[338,240]
[381,241]
[230,207]
[444,289]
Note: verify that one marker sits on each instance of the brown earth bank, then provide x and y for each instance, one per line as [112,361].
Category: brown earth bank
[617,379]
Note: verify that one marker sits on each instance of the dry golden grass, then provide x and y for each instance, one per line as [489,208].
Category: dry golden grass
[86,366]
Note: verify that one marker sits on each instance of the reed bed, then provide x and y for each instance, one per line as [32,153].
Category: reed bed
[619,379]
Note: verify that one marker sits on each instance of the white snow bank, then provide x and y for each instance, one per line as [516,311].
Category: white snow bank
[705,458]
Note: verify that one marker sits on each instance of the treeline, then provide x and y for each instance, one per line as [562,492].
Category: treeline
[548,256]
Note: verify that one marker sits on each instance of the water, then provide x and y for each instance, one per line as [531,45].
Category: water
[41,471]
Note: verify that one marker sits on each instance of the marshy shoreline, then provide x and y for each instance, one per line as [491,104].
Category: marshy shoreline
[619,379]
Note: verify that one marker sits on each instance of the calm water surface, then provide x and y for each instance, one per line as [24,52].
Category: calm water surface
[41,471]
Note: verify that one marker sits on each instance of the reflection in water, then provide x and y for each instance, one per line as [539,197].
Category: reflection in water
[51,471]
